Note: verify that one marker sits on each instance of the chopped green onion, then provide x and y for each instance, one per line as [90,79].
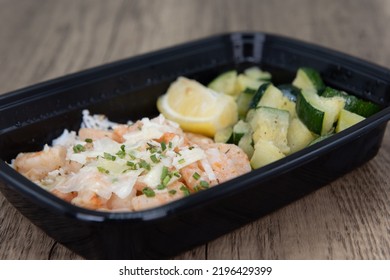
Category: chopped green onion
[103,170]
[144,164]
[176,174]
[204,184]
[181,161]
[172,192]
[132,165]
[196,176]
[170,145]
[163,146]
[78,148]
[154,158]
[123,148]
[185,190]
[166,180]
[164,173]
[160,187]
[121,154]
[148,192]
[88,140]
[108,156]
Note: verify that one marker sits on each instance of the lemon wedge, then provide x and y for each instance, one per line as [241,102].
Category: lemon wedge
[197,108]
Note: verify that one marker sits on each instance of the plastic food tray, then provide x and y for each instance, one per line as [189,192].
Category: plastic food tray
[128,89]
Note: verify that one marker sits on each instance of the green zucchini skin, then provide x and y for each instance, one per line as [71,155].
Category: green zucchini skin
[310,116]
[353,103]
[256,98]
[290,91]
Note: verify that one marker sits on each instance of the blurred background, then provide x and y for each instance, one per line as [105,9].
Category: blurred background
[44,39]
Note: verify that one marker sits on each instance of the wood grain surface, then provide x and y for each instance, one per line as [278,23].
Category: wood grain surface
[348,219]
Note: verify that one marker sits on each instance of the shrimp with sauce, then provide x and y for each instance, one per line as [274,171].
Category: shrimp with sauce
[131,167]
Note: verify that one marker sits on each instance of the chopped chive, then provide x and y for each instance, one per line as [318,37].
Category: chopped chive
[160,187]
[144,164]
[172,192]
[123,148]
[185,190]
[88,140]
[191,147]
[204,184]
[170,145]
[163,146]
[197,188]
[133,157]
[164,173]
[152,148]
[78,148]
[103,170]
[121,154]
[166,180]
[154,158]
[148,192]
[181,161]
[196,176]
[176,174]
[132,165]
[108,156]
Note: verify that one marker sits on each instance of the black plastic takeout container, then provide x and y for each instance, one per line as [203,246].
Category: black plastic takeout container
[128,89]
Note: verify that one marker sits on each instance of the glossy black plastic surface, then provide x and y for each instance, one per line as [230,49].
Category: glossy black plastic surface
[128,89]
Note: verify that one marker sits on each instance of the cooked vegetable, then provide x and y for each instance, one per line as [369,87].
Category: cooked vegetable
[318,113]
[352,103]
[265,152]
[271,124]
[243,102]
[273,97]
[308,78]
[347,119]
[290,91]
[298,136]
[257,74]
[225,83]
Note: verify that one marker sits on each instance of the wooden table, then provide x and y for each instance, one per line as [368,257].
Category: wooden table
[348,219]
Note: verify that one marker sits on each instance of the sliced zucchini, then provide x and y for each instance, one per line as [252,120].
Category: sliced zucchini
[243,101]
[290,91]
[273,97]
[298,136]
[225,83]
[247,83]
[256,98]
[239,129]
[318,113]
[353,103]
[224,135]
[257,74]
[246,144]
[347,119]
[265,152]
[271,124]
[308,78]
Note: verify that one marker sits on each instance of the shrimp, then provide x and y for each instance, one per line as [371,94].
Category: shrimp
[193,174]
[227,161]
[198,139]
[174,191]
[123,129]
[36,165]
[94,133]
